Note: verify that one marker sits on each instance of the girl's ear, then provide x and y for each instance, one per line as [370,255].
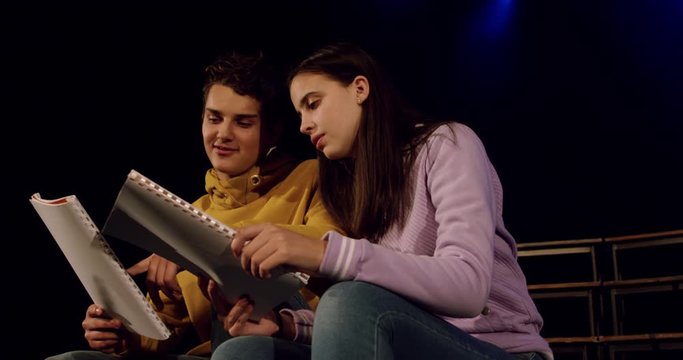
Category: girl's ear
[362,88]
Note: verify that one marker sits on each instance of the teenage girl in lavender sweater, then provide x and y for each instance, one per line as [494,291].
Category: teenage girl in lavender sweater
[428,269]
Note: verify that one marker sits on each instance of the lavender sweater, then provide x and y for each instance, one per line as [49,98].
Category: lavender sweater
[454,255]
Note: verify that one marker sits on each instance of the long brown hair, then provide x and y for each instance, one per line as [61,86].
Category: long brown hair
[371,192]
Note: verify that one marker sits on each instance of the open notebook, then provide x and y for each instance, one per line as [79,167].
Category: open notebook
[100,271]
[151,217]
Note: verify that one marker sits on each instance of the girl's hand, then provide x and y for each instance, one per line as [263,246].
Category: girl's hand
[237,322]
[235,318]
[263,247]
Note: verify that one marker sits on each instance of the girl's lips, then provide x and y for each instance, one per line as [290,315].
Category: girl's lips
[317,141]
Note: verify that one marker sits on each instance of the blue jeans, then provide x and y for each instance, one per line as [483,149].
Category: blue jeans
[357,320]
[261,348]
[218,335]
[97,355]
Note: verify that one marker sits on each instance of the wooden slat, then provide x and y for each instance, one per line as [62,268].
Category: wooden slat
[559,243]
[556,251]
[572,340]
[644,236]
[571,285]
[616,338]
[644,281]
[641,337]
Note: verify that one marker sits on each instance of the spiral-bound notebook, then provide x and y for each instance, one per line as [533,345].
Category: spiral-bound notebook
[100,271]
[151,217]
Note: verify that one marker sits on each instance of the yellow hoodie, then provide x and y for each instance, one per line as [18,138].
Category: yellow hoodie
[280,193]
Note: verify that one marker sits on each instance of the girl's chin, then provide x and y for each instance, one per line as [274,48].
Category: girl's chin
[334,155]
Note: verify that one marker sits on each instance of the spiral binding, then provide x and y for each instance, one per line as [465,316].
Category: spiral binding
[124,273]
[186,207]
[181,204]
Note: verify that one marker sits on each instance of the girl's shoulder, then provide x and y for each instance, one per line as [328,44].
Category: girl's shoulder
[453,131]
[449,138]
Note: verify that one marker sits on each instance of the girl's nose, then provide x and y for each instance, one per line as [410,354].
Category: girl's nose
[306,126]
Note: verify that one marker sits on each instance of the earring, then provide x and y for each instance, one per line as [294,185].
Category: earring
[358,99]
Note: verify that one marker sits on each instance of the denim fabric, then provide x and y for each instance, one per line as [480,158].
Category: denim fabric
[96,355]
[358,320]
[261,348]
[528,356]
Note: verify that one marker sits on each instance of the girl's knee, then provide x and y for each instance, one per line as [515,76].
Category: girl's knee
[348,301]
[245,347]
[83,355]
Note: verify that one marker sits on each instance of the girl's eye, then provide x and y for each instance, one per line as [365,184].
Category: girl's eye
[213,119]
[313,104]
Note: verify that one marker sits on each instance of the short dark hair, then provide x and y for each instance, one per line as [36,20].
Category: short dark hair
[247,75]
[252,75]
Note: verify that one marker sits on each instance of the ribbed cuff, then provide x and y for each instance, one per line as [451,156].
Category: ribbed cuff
[303,324]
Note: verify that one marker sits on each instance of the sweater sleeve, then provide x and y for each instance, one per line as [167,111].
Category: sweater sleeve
[455,280]
[303,324]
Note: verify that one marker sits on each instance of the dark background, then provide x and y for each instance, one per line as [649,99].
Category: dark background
[579,104]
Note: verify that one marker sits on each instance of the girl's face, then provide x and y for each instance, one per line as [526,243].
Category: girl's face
[232,131]
[330,111]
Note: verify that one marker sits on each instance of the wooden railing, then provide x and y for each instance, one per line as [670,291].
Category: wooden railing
[595,280]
